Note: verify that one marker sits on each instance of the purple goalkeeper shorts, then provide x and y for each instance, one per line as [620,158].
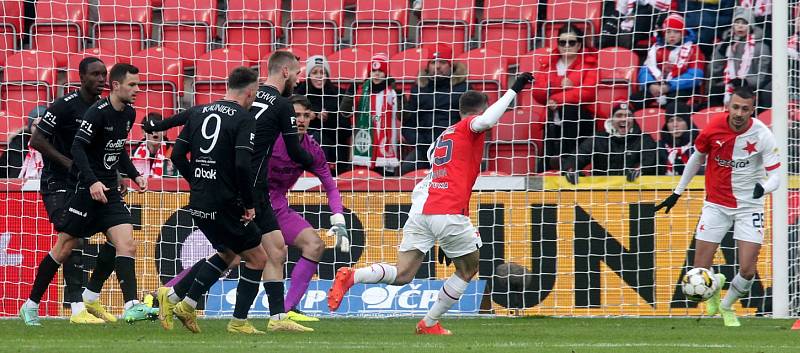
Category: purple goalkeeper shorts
[291,223]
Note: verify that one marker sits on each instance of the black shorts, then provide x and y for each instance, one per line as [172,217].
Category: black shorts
[54,196]
[83,217]
[265,216]
[224,229]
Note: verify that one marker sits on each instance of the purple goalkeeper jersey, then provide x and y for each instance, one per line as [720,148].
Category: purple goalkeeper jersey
[283,174]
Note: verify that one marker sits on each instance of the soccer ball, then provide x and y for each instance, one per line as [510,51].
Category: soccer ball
[699,284]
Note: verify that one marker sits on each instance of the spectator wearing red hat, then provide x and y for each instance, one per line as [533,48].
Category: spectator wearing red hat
[433,105]
[622,149]
[673,69]
[375,106]
[565,82]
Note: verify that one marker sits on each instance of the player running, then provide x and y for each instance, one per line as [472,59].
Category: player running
[283,174]
[53,137]
[739,149]
[440,211]
[95,204]
[220,140]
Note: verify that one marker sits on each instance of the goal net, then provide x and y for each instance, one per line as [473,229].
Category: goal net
[565,203]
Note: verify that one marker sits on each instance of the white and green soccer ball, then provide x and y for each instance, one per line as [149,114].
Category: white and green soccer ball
[699,284]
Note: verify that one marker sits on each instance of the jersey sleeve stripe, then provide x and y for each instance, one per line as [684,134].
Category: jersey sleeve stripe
[45,127]
[182,140]
[245,148]
[82,139]
[773,167]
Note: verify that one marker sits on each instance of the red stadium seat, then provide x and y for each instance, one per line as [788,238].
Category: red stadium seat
[60,28]
[406,65]
[607,96]
[29,80]
[380,25]
[123,25]
[189,27]
[11,13]
[617,65]
[8,126]
[416,174]
[360,173]
[349,65]
[299,53]
[529,63]
[211,74]
[508,26]
[446,21]
[161,76]
[700,119]
[651,120]
[316,26]
[252,27]
[517,141]
[488,71]
[73,60]
[585,14]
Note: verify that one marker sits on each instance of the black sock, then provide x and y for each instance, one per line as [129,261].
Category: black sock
[74,276]
[206,276]
[126,274]
[105,265]
[246,291]
[274,292]
[44,275]
[182,287]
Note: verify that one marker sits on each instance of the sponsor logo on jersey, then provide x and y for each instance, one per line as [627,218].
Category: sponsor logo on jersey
[86,127]
[440,185]
[103,105]
[110,159]
[210,174]
[79,213]
[732,163]
[113,145]
[203,214]
[49,118]
[109,128]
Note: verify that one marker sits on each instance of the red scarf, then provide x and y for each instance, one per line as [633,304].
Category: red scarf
[149,165]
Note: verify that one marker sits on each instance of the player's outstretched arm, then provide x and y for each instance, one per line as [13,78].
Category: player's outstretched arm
[489,118]
[692,167]
[179,119]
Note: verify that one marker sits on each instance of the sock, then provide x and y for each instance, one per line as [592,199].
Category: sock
[739,288]
[129,304]
[274,292]
[172,297]
[301,276]
[207,275]
[44,275]
[76,307]
[126,275]
[246,291]
[74,276]
[377,273]
[89,296]
[449,294]
[30,304]
[191,302]
[106,258]
[183,281]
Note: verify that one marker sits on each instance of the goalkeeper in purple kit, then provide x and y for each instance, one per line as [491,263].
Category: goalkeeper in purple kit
[283,174]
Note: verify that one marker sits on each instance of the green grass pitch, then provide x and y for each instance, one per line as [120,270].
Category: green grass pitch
[396,335]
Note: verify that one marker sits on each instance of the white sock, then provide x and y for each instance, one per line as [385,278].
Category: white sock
[89,296]
[76,307]
[377,273]
[739,288]
[278,317]
[130,304]
[30,304]
[191,302]
[450,293]
[172,297]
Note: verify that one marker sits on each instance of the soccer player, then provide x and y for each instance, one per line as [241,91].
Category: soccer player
[440,210]
[219,137]
[53,137]
[740,152]
[95,203]
[283,174]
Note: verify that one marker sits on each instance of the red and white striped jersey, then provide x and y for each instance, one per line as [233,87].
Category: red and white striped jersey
[455,165]
[736,162]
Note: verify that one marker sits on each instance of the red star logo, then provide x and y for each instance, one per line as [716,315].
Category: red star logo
[750,148]
[702,227]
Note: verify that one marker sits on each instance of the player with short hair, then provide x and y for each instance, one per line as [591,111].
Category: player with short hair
[95,203]
[283,174]
[219,137]
[739,152]
[440,210]
[53,137]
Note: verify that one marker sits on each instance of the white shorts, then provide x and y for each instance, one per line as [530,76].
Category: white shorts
[455,233]
[715,221]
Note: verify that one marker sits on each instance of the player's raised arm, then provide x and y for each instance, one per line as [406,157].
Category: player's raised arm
[289,133]
[489,118]
[150,126]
